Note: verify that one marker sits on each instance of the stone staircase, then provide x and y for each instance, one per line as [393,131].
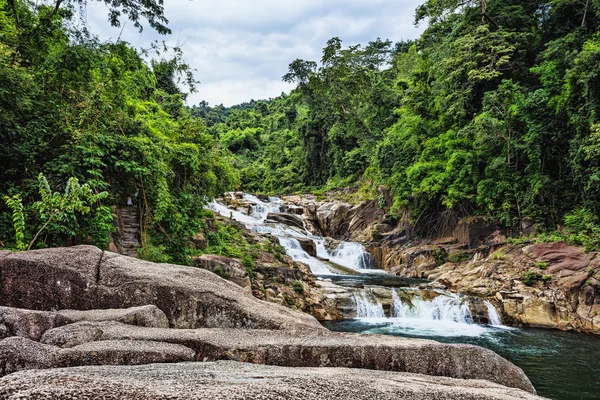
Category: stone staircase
[130,230]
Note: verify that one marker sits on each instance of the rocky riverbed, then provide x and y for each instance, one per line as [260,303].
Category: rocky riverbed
[74,308]
[474,258]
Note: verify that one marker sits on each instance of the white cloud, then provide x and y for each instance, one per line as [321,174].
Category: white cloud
[242,48]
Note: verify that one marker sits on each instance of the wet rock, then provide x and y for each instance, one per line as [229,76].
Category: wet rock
[29,324]
[85,278]
[332,350]
[237,381]
[286,219]
[228,268]
[309,246]
[150,316]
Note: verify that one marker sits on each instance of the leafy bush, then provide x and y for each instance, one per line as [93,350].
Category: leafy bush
[458,257]
[249,264]
[542,265]
[153,253]
[529,278]
[498,255]
[298,287]
[546,278]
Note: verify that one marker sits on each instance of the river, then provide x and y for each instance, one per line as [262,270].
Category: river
[561,365]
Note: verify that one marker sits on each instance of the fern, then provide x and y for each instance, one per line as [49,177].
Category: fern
[16,205]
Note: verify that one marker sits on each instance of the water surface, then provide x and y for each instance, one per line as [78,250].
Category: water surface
[561,365]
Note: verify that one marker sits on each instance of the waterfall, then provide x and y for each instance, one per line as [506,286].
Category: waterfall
[444,307]
[367,305]
[493,316]
[261,209]
[347,254]
[294,250]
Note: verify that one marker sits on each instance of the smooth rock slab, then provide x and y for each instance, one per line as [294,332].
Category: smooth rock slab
[237,381]
[29,324]
[124,352]
[18,354]
[386,353]
[149,316]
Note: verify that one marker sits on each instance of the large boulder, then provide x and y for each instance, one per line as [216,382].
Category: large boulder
[18,353]
[149,316]
[29,324]
[332,350]
[85,278]
[236,381]
[292,220]
[309,246]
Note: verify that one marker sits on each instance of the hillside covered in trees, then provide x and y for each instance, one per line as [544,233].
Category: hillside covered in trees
[492,111]
[489,113]
[74,107]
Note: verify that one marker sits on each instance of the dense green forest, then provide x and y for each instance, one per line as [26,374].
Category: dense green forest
[490,113]
[101,124]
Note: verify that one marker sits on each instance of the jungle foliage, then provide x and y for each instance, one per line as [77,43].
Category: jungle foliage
[78,110]
[492,113]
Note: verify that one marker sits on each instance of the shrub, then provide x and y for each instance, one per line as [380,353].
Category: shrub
[529,278]
[546,278]
[440,256]
[498,255]
[542,265]
[458,257]
[298,287]
[153,253]
[249,264]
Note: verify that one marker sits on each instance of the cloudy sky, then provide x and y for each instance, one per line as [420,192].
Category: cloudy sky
[241,48]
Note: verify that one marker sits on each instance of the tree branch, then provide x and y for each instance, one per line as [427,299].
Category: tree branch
[56,8]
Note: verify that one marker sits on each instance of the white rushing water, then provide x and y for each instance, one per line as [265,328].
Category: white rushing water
[367,305]
[346,254]
[493,316]
[439,313]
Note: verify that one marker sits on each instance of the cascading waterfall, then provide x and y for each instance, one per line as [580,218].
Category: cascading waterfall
[368,305]
[347,254]
[444,307]
[350,255]
[294,250]
[493,316]
[439,312]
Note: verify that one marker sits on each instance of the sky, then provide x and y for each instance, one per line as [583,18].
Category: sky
[240,49]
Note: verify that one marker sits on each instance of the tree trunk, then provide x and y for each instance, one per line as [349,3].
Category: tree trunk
[483,10]
[585,11]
